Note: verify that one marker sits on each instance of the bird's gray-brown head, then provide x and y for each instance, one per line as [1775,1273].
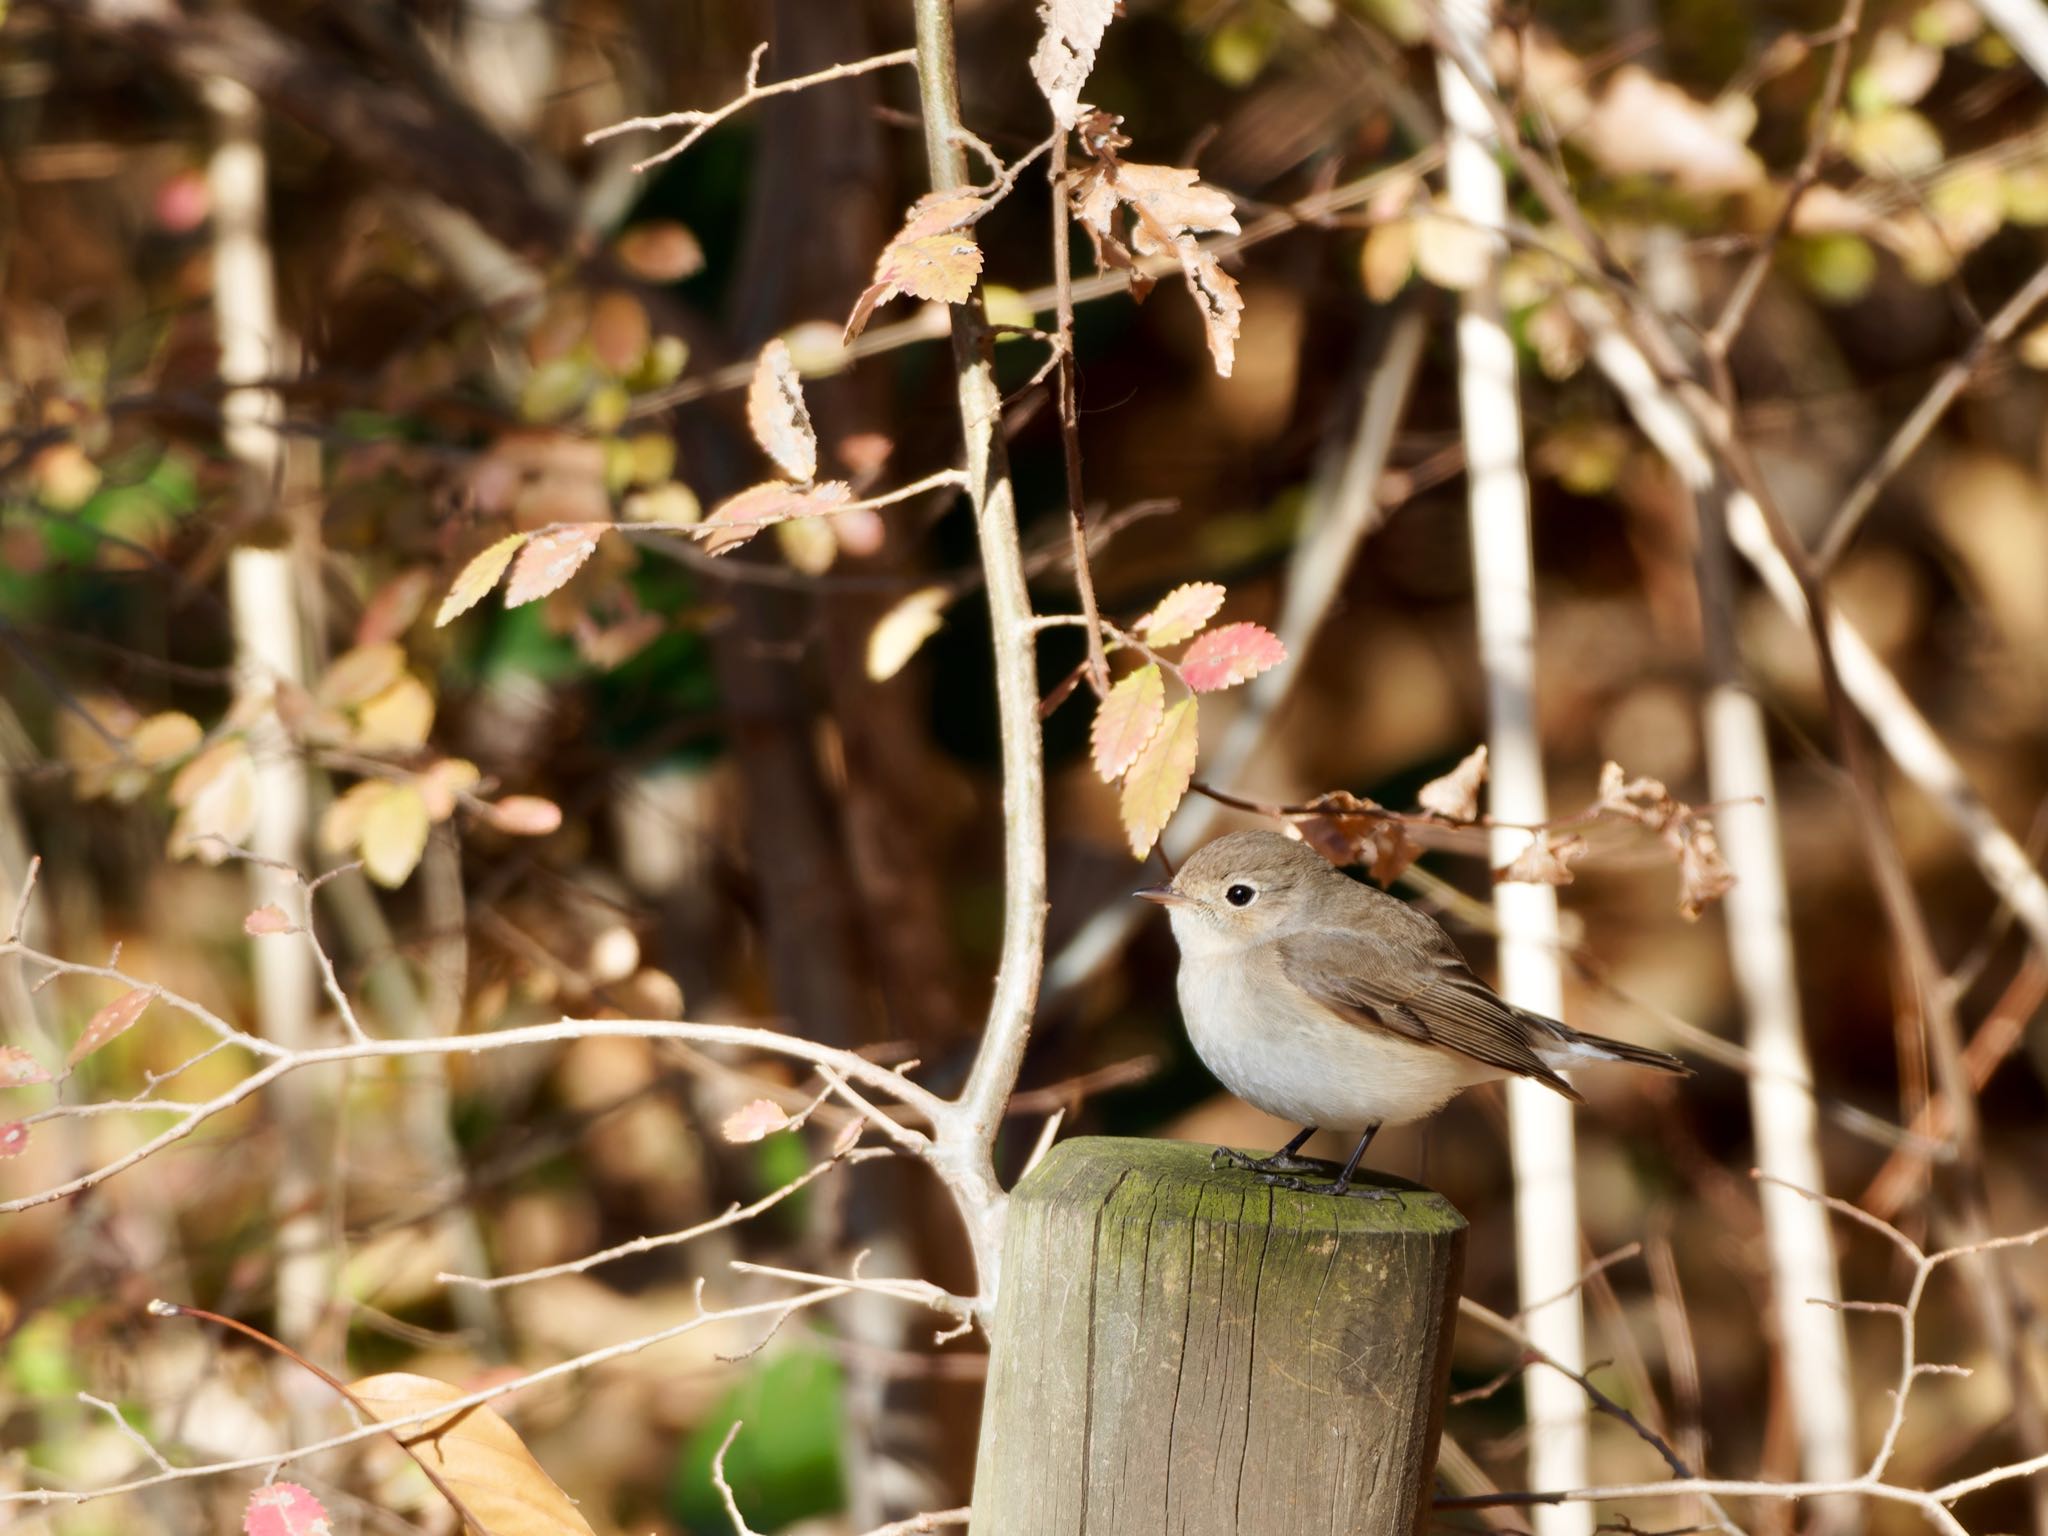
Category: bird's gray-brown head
[1241,889]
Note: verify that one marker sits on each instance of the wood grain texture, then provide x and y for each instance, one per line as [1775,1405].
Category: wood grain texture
[1184,1351]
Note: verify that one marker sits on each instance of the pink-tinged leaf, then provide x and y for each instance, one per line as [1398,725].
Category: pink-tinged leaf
[110,1021]
[266,921]
[1456,794]
[777,415]
[525,815]
[549,560]
[18,1069]
[1066,52]
[13,1139]
[1225,657]
[1548,860]
[284,1509]
[1127,718]
[392,608]
[751,1122]
[738,518]
[359,675]
[1159,778]
[478,577]
[1182,614]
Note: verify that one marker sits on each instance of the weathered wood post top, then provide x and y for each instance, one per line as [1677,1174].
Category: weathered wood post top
[1184,1349]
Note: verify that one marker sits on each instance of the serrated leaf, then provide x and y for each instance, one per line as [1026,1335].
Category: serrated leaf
[777,415]
[738,518]
[753,1121]
[1066,52]
[266,921]
[13,1139]
[549,560]
[18,1069]
[900,632]
[1225,657]
[284,1509]
[1159,778]
[478,577]
[1126,719]
[394,834]
[1456,794]
[1182,613]
[478,1454]
[114,1019]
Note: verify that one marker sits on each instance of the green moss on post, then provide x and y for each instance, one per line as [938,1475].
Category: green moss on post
[1182,1349]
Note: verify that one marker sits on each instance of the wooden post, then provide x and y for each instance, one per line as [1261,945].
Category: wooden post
[1181,1349]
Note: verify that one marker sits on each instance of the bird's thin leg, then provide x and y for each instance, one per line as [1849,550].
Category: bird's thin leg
[1282,1161]
[1343,1184]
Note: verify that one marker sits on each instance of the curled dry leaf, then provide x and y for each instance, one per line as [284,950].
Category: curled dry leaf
[1066,52]
[526,815]
[1182,613]
[477,1454]
[1548,860]
[738,518]
[112,1020]
[1643,800]
[900,632]
[931,257]
[267,920]
[549,560]
[18,1069]
[284,1509]
[1170,207]
[477,578]
[754,1120]
[1159,778]
[777,415]
[1126,720]
[1456,794]
[1346,829]
[1225,657]
[13,1139]
[1703,874]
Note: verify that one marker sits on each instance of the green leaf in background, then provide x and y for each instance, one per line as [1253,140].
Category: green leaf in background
[785,1464]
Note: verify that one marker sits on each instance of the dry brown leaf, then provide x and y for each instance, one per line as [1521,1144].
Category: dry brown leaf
[1456,794]
[777,415]
[738,518]
[1066,52]
[114,1019]
[1703,874]
[1349,830]
[1548,860]
[477,1454]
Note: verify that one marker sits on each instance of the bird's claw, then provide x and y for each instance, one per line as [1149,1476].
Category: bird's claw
[1336,1187]
[1279,1162]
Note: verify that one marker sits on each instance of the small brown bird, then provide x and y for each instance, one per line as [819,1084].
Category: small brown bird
[1336,1006]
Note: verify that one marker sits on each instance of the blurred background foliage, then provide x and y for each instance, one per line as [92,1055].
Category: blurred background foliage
[487,325]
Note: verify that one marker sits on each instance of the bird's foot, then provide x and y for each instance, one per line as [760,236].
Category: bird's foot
[1336,1187]
[1278,1162]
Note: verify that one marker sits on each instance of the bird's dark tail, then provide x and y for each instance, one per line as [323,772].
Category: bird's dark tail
[1571,1048]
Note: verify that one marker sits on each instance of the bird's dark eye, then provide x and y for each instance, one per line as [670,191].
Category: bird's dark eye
[1240,895]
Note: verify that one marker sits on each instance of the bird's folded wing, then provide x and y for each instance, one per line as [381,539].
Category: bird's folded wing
[1430,998]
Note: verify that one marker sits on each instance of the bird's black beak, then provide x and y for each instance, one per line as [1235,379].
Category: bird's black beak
[1165,895]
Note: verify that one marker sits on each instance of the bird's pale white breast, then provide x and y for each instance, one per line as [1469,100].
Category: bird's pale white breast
[1276,1048]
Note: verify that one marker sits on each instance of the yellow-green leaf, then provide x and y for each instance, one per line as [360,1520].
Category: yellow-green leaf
[1157,780]
[1181,614]
[394,833]
[478,577]
[899,633]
